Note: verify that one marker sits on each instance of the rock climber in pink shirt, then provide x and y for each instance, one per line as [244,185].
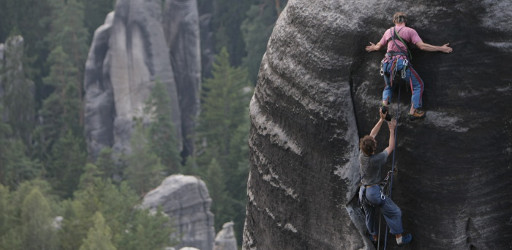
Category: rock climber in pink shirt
[398,60]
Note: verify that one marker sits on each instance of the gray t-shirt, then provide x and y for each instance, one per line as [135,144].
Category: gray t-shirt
[371,167]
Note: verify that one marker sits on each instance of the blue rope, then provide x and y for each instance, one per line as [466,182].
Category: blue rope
[393,163]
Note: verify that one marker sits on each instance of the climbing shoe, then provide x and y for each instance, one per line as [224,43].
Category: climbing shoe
[404,240]
[418,114]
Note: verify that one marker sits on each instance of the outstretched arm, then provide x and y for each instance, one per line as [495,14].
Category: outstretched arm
[373,47]
[376,128]
[391,145]
[429,47]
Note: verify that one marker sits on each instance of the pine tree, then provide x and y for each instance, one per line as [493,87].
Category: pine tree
[256,30]
[15,165]
[68,31]
[144,170]
[221,205]
[106,164]
[227,16]
[36,222]
[225,98]
[223,128]
[95,194]
[150,231]
[59,136]
[61,110]
[161,130]
[4,210]
[66,166]
[99,236]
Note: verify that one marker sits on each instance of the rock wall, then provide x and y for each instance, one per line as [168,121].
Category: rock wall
[181,27]
[186,200]
[225,239]
[319,91]
[16,91]
[129,53]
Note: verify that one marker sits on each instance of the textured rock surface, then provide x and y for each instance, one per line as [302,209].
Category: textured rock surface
[11,66]
[225,239]
[186,200]
[181,27]
[16,91]
[318,92]
[99,108]
[129,53]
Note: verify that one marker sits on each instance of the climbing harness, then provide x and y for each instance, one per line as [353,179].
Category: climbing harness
[391,57]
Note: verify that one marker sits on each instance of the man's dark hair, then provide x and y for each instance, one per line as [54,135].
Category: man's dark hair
[399,17]
[368,145]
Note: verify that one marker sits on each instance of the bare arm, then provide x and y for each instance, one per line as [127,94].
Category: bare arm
[376,128]
[429,47]
[391,145]
[373,47]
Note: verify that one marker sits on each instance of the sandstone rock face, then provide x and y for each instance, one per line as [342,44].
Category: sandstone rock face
[16,91]
[225,239]
[130,52]
[319,91]
[11,64]
[186,200]
[181,27]
[99,110]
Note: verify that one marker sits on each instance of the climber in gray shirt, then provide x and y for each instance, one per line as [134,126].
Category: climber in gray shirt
[370,193]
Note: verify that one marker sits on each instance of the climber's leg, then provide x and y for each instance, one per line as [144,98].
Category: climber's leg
[387,93]
[417,90]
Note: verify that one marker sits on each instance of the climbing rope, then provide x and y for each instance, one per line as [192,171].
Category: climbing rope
[390,187]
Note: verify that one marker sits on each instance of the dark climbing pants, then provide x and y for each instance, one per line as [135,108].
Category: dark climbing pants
[411,77]
[391,212]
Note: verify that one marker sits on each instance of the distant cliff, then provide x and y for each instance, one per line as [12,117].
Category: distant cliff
[140,43]
[318,92]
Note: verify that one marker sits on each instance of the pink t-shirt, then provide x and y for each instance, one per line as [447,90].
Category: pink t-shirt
[407,34]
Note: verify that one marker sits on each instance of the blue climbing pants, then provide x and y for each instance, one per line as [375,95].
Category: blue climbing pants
[391,212]
[411,77]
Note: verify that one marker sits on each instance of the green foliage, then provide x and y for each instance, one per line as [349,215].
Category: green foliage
[66,166]
[144,170]
[27,214]
[216,184]
[149,231]
[15,165]
[256,30]
[28,18]
[130,226]
[4,210]
[106,164]
[161,133]
[68,31]
[61,110]
[222,131]
[96,194]
[228,15]
[225,98]
[36,230]
[59,137]
[95,13]
[99,236]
